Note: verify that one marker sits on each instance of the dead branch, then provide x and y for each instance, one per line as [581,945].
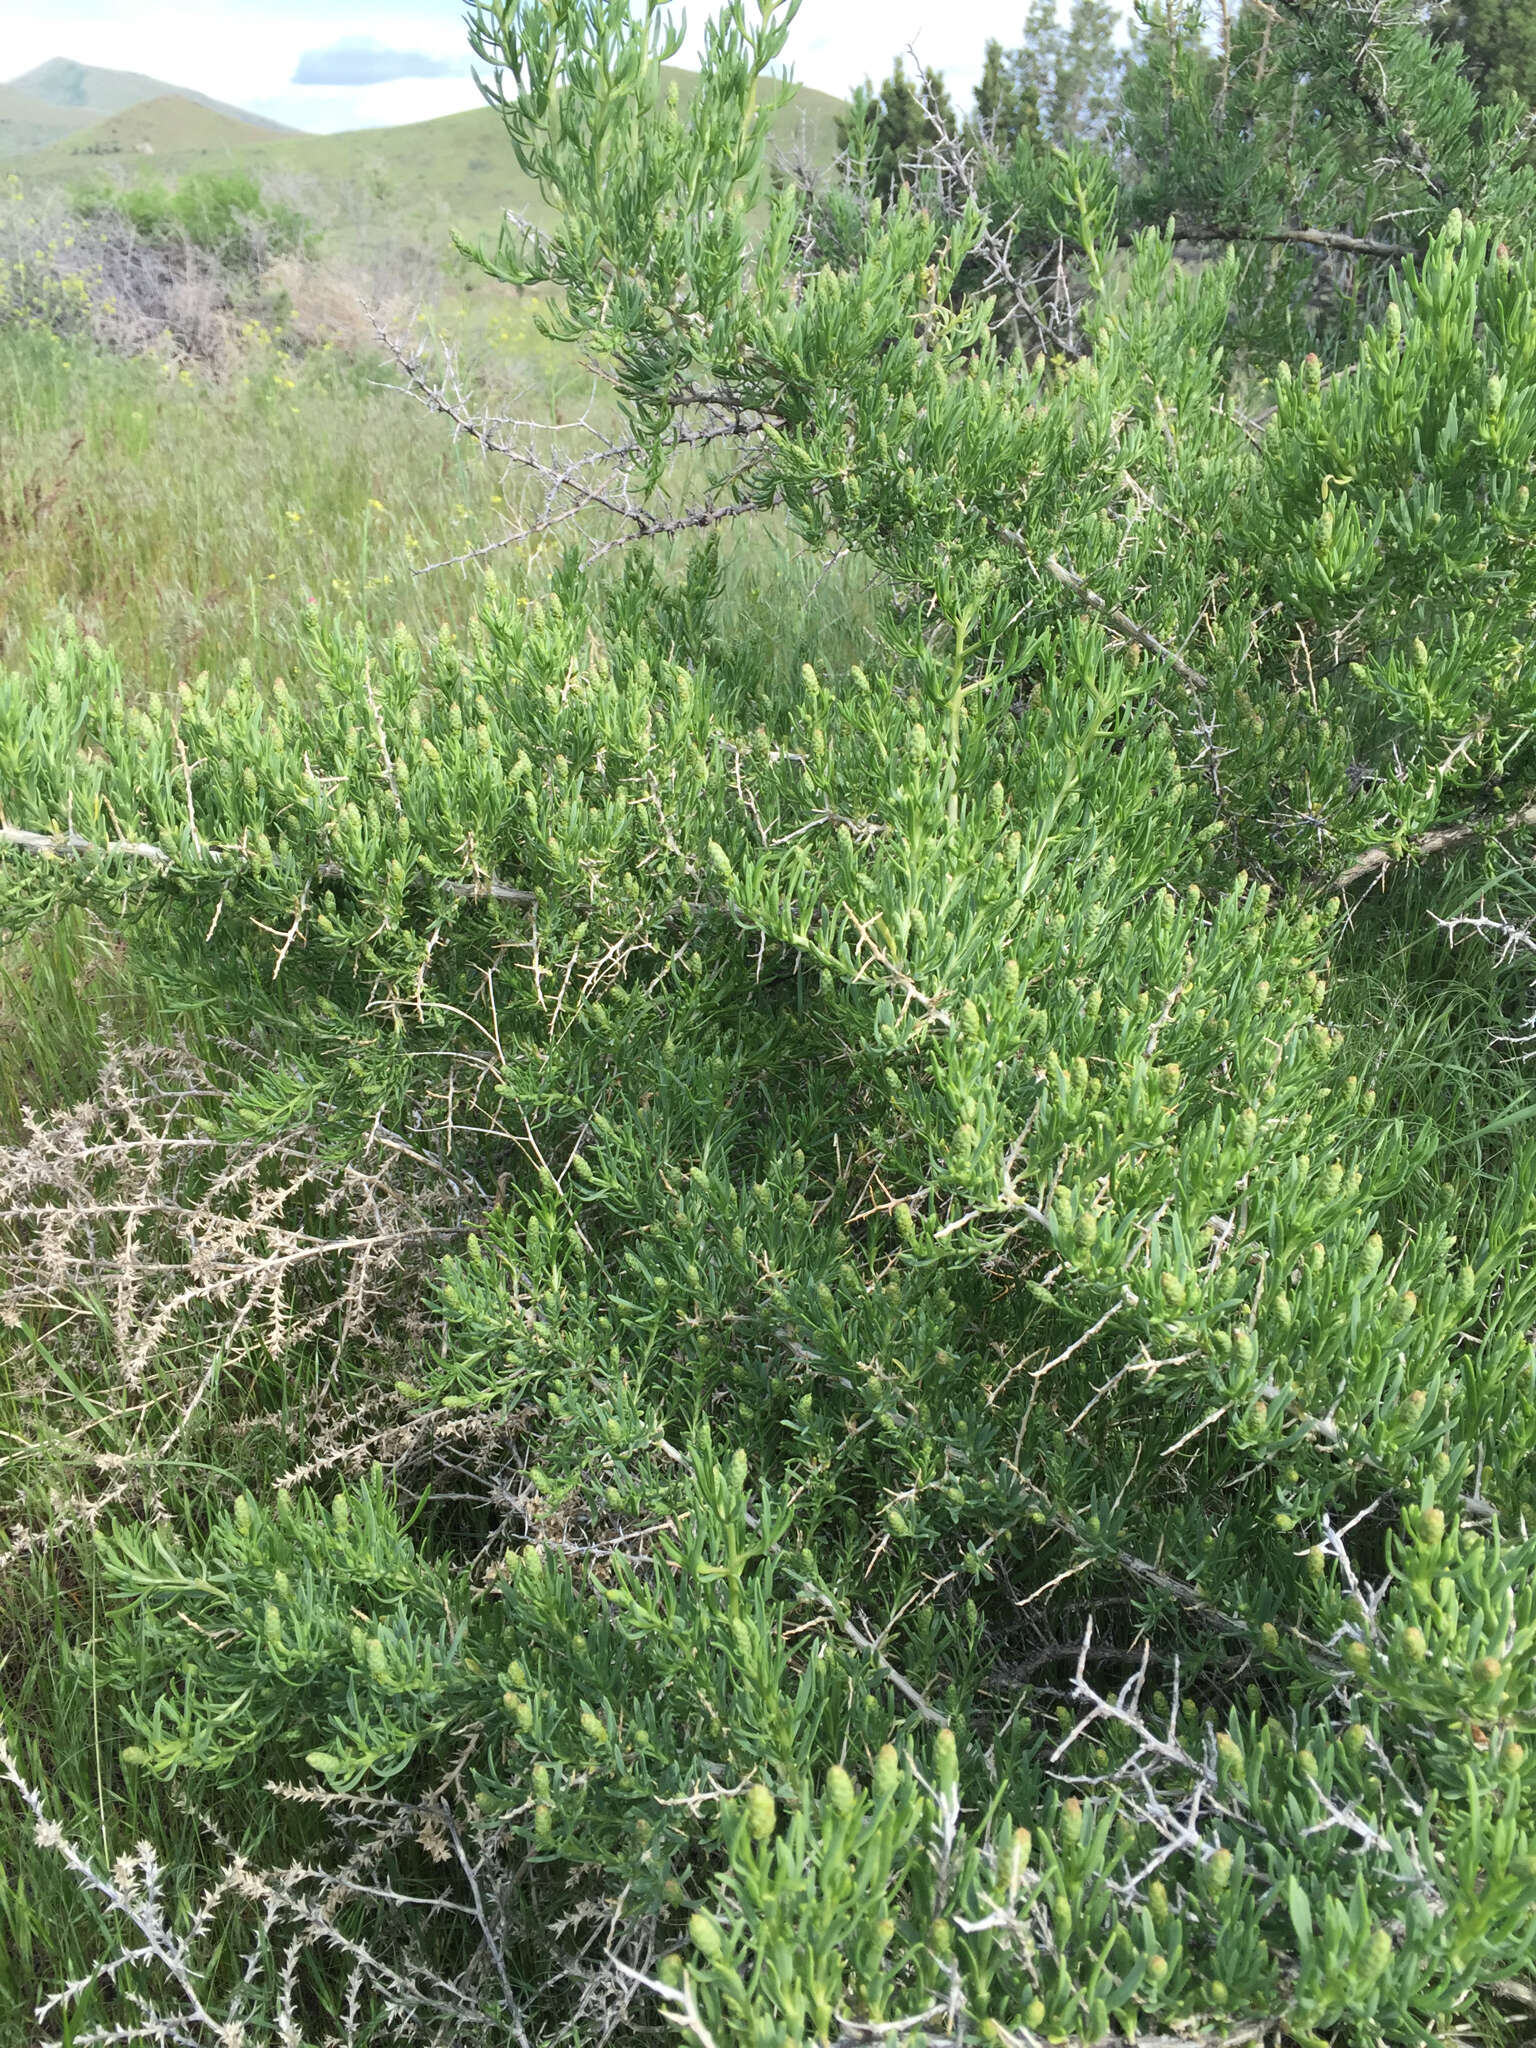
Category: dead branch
[585,472]
[1311,238]
[58,845]
[151,1255]
[871,1648]
[1037,299]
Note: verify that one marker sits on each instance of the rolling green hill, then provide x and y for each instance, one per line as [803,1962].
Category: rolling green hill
[27,122]
[92,89]
[417,180]
[171,125]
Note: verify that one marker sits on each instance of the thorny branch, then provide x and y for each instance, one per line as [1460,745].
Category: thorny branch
[1510,941]
[1368,79]
[1311,238]
[585,472]
[1035,285]
[127,1221]
[160,1954]
[1443,839]
[1070,580]
[76,846]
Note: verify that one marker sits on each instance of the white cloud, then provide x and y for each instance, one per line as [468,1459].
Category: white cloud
[364,60]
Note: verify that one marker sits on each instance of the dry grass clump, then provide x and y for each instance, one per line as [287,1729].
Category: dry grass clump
[91,274]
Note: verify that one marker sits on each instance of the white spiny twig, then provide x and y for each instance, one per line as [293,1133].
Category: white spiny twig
[591,480]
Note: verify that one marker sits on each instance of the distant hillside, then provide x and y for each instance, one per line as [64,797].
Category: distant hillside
[29,123]
[89,88]
[422,179]
[170,125]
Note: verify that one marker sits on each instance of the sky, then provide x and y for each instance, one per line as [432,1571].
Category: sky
[332,64]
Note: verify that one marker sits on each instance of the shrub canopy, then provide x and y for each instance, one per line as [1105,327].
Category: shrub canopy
[996,1301]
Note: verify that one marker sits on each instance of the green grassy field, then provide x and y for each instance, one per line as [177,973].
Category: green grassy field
[183,521]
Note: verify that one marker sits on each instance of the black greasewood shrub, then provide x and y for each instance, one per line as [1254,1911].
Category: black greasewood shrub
[997,1315]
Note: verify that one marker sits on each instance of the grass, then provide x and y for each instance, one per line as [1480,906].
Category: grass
[188,524]
[62,991]
[185,522]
